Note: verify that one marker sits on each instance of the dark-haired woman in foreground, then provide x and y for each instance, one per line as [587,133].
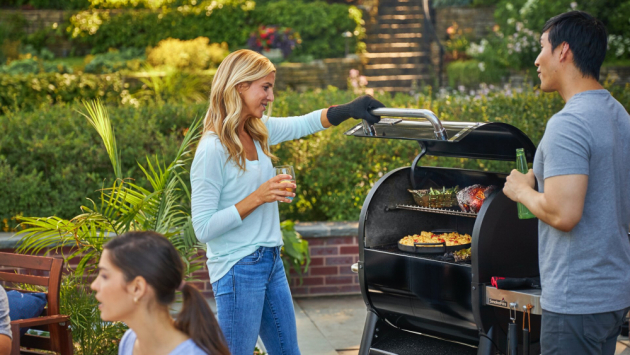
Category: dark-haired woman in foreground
[139,273]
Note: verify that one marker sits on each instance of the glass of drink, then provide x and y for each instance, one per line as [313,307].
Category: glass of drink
[286,170]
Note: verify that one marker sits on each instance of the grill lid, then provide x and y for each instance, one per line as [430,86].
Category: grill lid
[478,140]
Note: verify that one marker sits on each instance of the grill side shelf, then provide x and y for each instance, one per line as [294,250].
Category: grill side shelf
[433,210]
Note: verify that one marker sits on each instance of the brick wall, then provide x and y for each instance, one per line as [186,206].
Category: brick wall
[329,272]
[333,248]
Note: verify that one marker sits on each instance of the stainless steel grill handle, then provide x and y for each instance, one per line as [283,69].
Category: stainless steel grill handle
[438,129]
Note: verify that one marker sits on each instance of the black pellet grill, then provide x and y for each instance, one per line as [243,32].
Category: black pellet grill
[411,296]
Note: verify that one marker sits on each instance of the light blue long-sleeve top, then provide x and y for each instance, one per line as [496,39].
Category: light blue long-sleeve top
[217,185]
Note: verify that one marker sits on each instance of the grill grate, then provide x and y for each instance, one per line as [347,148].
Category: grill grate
[435,210]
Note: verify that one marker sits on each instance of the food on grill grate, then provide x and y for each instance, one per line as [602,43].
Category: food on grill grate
[450,239]
[436,198]
[459,256]
[471,198]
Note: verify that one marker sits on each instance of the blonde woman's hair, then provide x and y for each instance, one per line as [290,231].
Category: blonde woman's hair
[241,67]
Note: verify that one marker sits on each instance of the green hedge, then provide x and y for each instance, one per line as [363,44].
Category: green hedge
[32,91]
[319,24]
[51,159]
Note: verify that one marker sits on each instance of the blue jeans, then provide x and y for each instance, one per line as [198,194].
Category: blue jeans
[254,298]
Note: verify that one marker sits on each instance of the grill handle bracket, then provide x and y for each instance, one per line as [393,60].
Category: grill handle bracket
[438,129]
[412,173]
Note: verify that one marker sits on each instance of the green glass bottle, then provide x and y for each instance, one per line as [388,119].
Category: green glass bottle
[521,165]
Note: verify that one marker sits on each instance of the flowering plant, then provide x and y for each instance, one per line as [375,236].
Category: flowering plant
[266,38]
[457,42]
[358,83]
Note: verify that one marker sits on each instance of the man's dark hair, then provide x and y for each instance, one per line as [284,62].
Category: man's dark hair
[586,36]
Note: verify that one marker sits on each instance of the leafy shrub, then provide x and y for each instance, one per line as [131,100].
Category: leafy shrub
[101,30]
[32,91]
[472,72]
[51,159]
[173,86]
[115,60]
[49,4]
[318,23]
[334,172]
[194,54]
[33,66]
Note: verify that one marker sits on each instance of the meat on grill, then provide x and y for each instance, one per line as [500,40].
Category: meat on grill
[470,199]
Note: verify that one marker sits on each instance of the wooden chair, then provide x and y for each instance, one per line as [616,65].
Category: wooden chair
[60,339]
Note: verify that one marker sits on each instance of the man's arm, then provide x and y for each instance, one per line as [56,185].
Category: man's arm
[560,206]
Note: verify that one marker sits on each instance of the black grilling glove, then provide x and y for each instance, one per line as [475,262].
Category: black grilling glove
[358,108]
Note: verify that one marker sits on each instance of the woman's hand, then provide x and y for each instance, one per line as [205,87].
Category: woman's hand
[358,108]
[275,190]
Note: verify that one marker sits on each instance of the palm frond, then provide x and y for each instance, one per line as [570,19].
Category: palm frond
[99,119]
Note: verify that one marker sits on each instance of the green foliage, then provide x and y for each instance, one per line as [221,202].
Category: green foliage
[51,160]
[32,91]
[115,60]
[101,30]
[90,334]
[334,172]
[319,24]
[12,27]
[472,72]
[295,253]
[194,54]
[123,206]
[33,66]
[49,4]
[172,86]
[515,15]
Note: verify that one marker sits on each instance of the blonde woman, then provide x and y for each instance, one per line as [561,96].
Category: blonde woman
[235,199]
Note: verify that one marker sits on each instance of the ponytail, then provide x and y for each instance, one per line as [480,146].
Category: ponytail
[197,321]
[152,256]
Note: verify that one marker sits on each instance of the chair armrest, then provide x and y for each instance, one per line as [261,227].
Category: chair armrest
[31,322]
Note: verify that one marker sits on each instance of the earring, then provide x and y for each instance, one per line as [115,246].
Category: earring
[135,300]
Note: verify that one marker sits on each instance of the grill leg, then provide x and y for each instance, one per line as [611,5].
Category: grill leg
[485,345]
[368,332]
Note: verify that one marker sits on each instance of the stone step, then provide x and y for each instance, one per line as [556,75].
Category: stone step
[416,69]
[396,55]
[409,77]
[393,47]
[395,89]
[392,28]
[391,66]
[378,37]
[402,20]
[393,59]
[400,10]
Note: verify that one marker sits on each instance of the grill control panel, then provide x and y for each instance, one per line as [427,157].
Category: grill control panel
[502,298]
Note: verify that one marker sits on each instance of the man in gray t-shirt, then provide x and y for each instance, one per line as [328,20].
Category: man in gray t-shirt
[5,324]
[582,167]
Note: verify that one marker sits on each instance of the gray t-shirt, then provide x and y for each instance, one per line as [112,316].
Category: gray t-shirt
[186,348]
[587,270]
[5,321]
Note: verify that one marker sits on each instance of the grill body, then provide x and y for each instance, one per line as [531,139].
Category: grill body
[418,293]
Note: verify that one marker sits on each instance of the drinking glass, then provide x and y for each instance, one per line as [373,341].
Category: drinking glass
[287,170]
